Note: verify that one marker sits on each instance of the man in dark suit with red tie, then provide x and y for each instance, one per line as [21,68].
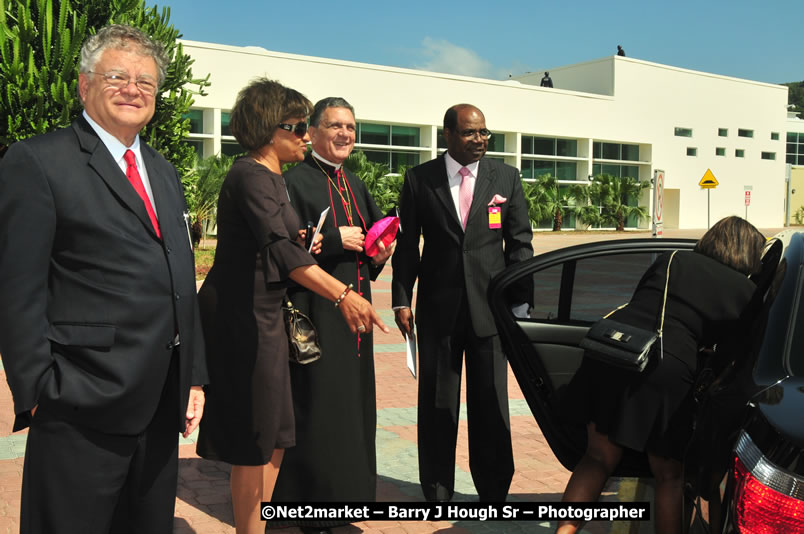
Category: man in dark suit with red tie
[100,334]
[474,219]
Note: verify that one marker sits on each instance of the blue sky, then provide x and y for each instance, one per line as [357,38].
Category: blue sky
[758,40]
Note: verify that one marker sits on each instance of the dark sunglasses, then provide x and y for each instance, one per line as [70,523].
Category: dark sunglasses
[300,128]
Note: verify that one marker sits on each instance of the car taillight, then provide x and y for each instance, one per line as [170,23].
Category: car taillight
[767,499]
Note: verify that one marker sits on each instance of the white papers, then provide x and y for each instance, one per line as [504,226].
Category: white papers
[410,342]
[318,227]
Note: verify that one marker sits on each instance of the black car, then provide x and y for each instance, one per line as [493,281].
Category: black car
[750,399]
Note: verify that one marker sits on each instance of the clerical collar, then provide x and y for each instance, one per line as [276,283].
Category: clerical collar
[336,166]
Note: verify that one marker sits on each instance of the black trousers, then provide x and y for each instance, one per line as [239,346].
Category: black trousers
[491,460]
[78,480]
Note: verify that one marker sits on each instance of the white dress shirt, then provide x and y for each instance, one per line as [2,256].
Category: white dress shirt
[118,149]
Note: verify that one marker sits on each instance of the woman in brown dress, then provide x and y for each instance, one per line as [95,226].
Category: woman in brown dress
[249,420]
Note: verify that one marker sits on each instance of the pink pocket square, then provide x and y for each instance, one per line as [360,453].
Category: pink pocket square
[498,200]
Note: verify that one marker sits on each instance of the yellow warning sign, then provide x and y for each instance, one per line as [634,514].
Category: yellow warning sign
[708,181]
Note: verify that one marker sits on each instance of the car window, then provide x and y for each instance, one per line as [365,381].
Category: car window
[546,290]
[583,291]
[602,284]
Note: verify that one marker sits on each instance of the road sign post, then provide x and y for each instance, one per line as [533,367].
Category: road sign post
[748,189]
[658,203]
[708,182]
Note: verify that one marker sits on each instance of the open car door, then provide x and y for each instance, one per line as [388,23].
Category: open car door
[569,289]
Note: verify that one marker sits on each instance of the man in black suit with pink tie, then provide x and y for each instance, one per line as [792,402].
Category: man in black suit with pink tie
[474,219]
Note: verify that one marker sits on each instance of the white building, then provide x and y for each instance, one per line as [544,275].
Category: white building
[615,115]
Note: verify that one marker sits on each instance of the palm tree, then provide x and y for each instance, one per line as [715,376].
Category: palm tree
[537,203]
[202,187]
[556,200]
[384,186]
[608,201]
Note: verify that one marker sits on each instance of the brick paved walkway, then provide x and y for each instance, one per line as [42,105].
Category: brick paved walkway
[203,503]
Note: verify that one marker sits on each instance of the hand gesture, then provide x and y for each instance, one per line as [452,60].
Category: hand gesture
[352,238]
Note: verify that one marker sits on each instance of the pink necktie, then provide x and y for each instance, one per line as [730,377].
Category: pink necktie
[465,193]
[133,176]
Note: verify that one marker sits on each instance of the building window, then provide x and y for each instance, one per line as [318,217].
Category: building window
[374,134]
[723,132]
[745,133]
[720,151]
[196,117]
[562,170]
[497,142]
[692,151]
[393,159]
[739,153]
[615,151]
[548,146]
[405,135]
[198,146]
[618,171]
[795,148]
[226,118]
[683,132]
[769,155]
[231,148]
[774,136]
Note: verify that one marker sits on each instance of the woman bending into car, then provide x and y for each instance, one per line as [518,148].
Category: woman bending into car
[651,412]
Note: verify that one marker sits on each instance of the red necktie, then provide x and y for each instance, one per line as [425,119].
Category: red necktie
[133,176]
[465,193]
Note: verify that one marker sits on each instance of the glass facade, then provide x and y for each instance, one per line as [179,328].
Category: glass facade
[742,132]
[768,155]
[197,145]
[619,151]
[720,151]
[682,132]
[548,146]
[231,148]
[563,170]
[795,148]
[393,159]
[774,136]
[374,134]
[226,117]
[619,171]
[739,153]
[723,132]
[196,117]
[692,151]
[405,135]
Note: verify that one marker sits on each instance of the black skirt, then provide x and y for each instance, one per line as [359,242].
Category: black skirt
[651,411]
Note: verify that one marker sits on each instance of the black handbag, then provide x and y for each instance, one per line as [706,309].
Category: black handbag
[625,346]
[302,335]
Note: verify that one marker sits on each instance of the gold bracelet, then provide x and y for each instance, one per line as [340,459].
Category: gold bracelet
[343,295]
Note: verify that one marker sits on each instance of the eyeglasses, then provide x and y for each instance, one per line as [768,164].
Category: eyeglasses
[483,133]
[120,80]
[300,128]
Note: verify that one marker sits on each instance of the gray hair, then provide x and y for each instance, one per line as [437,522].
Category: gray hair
[120,36]
[329,102]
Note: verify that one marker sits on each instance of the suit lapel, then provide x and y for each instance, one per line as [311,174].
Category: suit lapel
[160,187]
[100,160]
[440,184]
[484,185]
